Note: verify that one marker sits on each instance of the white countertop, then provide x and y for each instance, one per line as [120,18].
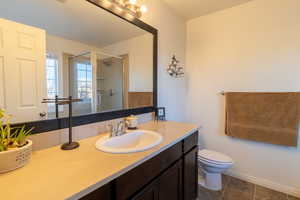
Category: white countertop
[55,174]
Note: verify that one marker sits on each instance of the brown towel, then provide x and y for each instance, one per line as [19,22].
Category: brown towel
[263,117]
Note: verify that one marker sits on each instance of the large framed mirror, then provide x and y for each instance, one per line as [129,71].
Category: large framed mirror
[77,48]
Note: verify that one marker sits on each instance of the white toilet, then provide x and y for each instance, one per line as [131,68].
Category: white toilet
[212,165]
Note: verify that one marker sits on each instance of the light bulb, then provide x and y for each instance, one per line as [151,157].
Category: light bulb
[132,2]
[144,8]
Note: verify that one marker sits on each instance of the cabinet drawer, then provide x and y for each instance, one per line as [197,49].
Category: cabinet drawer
[137,178]
[190,142]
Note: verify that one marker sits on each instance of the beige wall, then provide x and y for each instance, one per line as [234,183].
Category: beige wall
[252,47]
[171,40]
[139,50]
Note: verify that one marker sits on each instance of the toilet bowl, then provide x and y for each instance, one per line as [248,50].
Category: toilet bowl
[213,164]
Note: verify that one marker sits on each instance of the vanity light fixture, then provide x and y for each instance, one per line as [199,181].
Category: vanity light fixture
[132,7]
[174,70]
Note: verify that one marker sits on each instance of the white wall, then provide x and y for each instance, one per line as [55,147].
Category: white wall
[171,40]
[252,47]
[140,51]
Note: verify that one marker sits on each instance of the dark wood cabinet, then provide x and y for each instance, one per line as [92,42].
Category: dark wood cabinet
[103,193]
[190,175]
[190,142]
[171,175]
[167,186]
[132,181]
[170,183]
[149,193]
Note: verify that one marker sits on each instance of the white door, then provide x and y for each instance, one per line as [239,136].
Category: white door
[22,70]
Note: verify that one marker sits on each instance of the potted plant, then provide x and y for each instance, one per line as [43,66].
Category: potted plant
[15,149]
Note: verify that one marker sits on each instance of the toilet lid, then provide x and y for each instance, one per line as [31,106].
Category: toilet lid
[214,156]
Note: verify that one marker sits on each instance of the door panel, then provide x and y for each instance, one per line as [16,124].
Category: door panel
[26,41]
[23,51]
[1,37]
[149,193]
[190,174]
[28,83]
[170,183]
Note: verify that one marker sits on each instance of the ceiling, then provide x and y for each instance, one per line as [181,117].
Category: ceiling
[190,9]
[76,20]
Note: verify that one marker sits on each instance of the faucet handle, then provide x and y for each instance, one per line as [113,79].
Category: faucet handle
[112,130]
[120,127]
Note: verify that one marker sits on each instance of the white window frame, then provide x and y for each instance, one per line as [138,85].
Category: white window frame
[51,107]
[86,80]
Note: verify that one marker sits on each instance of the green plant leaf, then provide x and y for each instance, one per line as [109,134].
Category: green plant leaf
[11,137]
[2,113]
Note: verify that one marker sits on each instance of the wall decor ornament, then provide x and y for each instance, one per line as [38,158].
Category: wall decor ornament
[174,69]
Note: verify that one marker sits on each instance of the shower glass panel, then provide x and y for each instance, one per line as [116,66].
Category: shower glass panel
[81,83]
[110,78]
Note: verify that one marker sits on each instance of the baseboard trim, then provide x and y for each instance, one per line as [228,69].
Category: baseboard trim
[293,191]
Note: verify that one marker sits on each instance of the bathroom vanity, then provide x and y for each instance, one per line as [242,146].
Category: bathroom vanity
[166,171]
[112,72]
[172,174]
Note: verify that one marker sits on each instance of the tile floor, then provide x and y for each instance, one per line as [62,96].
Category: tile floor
[235,189]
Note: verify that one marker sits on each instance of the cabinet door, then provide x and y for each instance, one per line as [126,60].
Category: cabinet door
[149,193]
[190,175]
[137,178]
[190,142]
[170,183]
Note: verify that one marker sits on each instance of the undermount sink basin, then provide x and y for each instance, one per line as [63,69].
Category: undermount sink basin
[134,141]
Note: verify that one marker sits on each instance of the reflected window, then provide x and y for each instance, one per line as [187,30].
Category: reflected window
[84,80]
[52,75]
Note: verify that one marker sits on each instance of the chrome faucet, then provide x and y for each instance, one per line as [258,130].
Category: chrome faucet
[119,129]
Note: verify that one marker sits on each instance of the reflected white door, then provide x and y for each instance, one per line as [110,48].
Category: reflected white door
[22,70]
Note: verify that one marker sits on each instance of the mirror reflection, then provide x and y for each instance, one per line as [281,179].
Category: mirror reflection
[71,48]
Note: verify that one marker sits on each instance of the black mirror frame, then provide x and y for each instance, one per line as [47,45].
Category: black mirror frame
[55,124]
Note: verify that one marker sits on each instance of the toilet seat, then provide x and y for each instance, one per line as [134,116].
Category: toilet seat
[214,164]
[214,157]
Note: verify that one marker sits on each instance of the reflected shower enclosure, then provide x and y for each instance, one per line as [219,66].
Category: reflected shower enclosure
[110,83]
[98,79]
